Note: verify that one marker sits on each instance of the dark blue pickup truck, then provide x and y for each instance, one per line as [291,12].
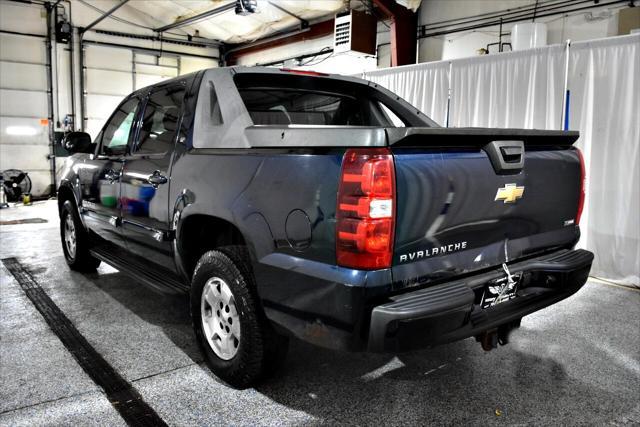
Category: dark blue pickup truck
[292,203]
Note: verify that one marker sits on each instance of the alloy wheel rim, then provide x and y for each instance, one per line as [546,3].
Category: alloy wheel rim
[70,236]
[220,319]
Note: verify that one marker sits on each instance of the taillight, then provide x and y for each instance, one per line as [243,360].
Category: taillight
[304,72]
[366,209]
[583,178]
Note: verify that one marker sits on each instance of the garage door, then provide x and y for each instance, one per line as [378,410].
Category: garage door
[24,141]
[112,73]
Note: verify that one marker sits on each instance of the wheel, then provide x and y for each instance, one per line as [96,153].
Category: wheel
[75,241]
[239,344]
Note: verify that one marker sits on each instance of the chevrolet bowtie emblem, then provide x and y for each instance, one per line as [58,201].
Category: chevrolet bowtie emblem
[509,193]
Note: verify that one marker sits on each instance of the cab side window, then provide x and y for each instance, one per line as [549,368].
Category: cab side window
[160,120]
[116,133]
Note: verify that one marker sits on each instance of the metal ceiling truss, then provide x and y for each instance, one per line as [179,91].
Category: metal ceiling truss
[197,18]
[103,16]
[163,39]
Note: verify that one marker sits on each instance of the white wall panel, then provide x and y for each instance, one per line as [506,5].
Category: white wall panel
[93,126]
[143,80]
[23,76]
[167,60]
[38,134]
[22,103]
[24,18]
[107,57]
[158,70]
[99,108]
[24,141]
[12,156]
[20,48]
[190,64]
[108,79]
[108,82]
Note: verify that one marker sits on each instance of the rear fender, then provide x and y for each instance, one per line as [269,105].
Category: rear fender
[253,227]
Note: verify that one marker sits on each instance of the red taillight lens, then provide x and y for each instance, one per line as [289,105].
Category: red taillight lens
[304,72]
[366,209]
[583,178]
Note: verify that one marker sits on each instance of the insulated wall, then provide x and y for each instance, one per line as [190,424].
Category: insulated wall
[108,78]
[525,89]
[112,73]
[113,65]
[24,108]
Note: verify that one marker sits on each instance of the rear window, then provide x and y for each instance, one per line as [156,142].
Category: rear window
[311,101]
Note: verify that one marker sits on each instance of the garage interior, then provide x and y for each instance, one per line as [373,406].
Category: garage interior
[535,64]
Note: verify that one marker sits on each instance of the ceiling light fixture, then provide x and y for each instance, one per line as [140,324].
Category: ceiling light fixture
[21,130]
[246,7]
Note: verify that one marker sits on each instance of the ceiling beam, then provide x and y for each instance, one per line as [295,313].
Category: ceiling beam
[314,31]
[103,16]
[403,32]
[197,18]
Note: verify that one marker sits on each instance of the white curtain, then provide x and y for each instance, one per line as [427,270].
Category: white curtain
[518,90]
[604,85]
[425,86]
[524,89]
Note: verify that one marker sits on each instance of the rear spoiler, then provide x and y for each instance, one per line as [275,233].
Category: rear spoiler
[299,136]
[477,137]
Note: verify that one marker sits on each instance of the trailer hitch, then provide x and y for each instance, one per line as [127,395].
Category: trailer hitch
[490,338]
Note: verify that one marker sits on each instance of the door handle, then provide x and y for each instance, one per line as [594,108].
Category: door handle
[156,179]
[111,176]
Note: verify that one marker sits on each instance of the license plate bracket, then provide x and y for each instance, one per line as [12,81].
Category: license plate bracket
[500,290]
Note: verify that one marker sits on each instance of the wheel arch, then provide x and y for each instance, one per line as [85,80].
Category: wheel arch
[198,233]
[66,192]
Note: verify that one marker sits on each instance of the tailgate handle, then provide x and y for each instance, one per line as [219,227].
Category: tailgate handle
[511,154]
[507,157]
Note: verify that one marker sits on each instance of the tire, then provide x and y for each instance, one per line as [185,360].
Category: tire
[239,344]
[75,241]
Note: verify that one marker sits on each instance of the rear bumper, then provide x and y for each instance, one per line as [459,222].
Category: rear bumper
[451,311]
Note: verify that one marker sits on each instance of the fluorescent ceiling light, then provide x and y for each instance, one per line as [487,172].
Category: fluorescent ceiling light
[21,130]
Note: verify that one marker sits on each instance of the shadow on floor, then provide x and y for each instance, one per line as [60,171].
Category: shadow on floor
[169,312]
[449,384]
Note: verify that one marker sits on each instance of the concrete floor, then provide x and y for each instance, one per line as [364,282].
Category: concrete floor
[577,362]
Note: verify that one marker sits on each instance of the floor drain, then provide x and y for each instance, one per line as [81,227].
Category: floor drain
[24,221]
[124,398]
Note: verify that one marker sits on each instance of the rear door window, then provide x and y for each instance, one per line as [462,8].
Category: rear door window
[160,120]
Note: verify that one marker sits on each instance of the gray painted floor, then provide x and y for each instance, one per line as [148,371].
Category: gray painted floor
[577,362]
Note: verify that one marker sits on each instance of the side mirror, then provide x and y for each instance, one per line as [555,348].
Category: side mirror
[78,142]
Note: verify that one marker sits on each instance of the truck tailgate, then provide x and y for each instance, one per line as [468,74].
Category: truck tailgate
[462,207]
